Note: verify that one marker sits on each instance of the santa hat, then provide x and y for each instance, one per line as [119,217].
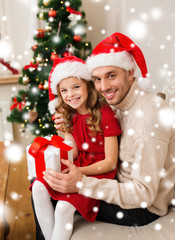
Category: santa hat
[117,50]
[70,66]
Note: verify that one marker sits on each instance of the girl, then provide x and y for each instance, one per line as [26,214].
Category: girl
[93,129]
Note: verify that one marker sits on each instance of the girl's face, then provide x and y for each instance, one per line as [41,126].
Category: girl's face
[74,92]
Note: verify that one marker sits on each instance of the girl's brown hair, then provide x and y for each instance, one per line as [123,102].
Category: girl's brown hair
[93,103]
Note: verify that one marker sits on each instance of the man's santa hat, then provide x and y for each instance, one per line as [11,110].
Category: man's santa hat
[70,66]
[120,51]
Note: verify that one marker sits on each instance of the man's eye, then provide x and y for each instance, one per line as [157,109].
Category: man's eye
[97,79]
[112,76]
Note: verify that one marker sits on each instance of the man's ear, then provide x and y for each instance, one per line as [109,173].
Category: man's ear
[131,75]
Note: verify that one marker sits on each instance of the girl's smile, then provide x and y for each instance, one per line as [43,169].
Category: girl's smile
[74,92]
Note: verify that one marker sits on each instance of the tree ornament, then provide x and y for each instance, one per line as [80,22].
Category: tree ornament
[41,16]
[48,28]
[52,13]
[34,47]
[45,86]
[40,33]
[46,2]
[69,50]
[74,16]
[25,79]
[53,56]
[77,38]
[32,116]
[38,59]
[67,53]
[40,86]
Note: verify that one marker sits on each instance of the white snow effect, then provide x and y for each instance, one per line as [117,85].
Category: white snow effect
[119,215]
[135,166]
[79,29]
[93,139]
[79,184]
[158,226]
[125,164]
[147,178]
[15,196]
[167,117]
[107,7]
[95,209]
[162,173]
[156,13]
[14,153]
[143,204]
[85,146]
[68,226]
[5,49]
[137,29]
[100,194]
[131,132]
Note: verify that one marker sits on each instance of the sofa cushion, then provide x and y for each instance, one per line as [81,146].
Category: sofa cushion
[161,229]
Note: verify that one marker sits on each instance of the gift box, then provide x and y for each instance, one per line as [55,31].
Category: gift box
[46,153]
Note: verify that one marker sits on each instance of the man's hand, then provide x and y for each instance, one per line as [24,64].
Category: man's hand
[64,183]
[58,120]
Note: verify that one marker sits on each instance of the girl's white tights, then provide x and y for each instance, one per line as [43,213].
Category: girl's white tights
[55,225]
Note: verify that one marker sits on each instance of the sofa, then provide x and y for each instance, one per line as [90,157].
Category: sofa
[161,229]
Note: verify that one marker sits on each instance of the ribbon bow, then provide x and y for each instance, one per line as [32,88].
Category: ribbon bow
[16,104]
[35,66]
[38,147]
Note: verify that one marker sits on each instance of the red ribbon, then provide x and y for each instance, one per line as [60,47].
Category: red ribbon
[35,66]
[38,147]
[16,104]
[70,10]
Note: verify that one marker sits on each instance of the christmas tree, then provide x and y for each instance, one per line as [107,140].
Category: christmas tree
[63,34]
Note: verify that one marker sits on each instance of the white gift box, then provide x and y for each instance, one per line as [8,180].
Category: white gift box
[51,157]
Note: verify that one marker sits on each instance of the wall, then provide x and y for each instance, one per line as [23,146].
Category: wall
[150,24]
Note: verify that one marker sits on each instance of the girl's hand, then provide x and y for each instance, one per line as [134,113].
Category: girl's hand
[58,120]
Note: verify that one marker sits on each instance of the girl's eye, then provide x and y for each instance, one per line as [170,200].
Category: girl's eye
[63,90]
[76,87]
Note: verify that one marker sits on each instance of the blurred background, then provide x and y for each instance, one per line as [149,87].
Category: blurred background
[149,23]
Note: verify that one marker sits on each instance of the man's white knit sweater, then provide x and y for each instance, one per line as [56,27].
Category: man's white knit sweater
[146,173]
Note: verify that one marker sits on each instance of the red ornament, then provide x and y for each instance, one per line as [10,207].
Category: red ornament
[53,56]
[67,53]
[40,33]
[52,13]
[40,86]
[34,47]
[77,38]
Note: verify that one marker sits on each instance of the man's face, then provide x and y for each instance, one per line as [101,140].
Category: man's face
[112,83]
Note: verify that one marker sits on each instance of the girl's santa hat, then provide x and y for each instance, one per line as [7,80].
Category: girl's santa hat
[70,66]
[120,51]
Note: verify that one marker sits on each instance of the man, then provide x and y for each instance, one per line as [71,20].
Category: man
[144,184]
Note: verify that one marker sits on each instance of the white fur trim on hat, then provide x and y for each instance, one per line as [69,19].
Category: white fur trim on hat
[52,104]
[118,59]
[68,69]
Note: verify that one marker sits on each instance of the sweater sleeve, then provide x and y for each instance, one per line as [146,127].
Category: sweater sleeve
[143,188]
